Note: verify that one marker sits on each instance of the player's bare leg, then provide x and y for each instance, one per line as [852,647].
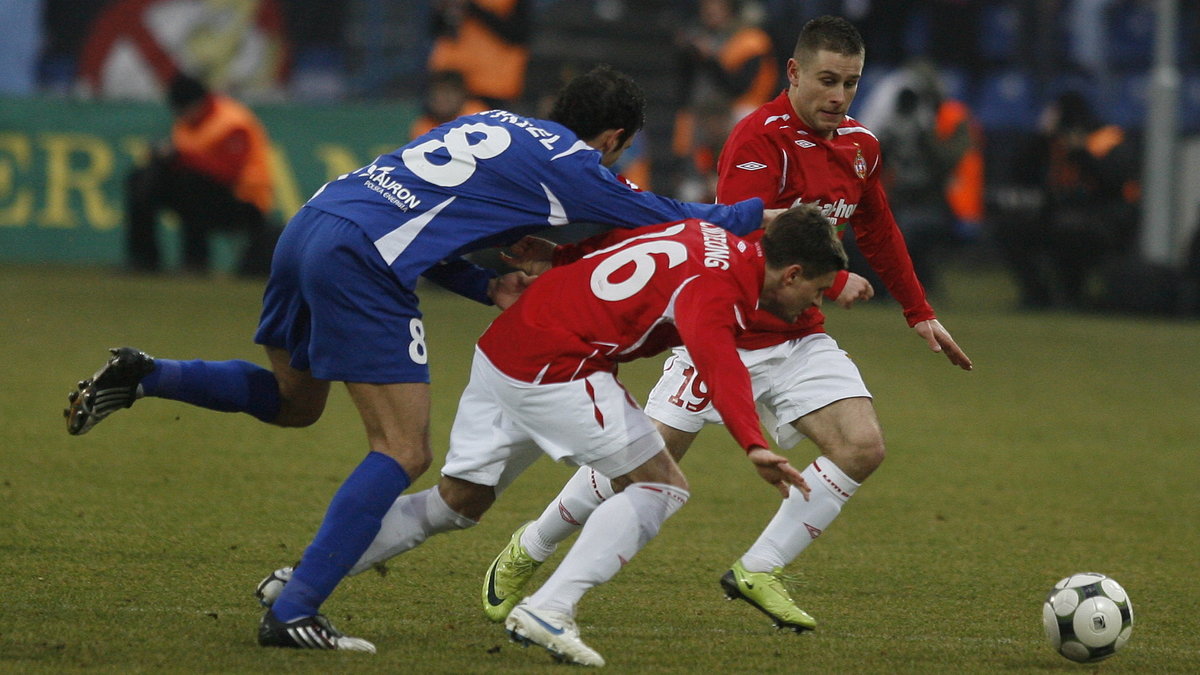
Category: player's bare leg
[396,419]
[283,395]
[302,397]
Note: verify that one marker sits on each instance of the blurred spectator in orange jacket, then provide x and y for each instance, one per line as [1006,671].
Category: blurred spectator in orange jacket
[724,62]
[214,173]
[1088,172]
[446,99]
[488,42]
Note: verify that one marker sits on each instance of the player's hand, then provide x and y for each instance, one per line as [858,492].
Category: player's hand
[769,215]
[532,255]
[857,289]
[940,341]
[775,470]
[504,290]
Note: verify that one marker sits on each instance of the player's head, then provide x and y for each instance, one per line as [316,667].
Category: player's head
[604,107]
[803,256]
[185,94]
[446,96]
[823,72]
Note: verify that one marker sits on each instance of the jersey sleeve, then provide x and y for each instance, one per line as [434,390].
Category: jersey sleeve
[570,252]
[749,166]
[599,197]
[879,238]
[706,320]
[463,277]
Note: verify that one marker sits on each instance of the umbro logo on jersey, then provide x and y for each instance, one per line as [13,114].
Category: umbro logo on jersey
[752,166]
[806,144]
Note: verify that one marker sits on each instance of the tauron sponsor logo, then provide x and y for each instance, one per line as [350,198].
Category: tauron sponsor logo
[379,179]
[751,166]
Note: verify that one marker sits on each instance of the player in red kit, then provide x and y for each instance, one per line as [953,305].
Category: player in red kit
[543,380]
[799,148]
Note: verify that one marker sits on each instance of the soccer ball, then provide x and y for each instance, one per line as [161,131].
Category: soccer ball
[272,585]
[1087,617]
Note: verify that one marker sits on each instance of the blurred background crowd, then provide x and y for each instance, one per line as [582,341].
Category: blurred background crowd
[1013,127]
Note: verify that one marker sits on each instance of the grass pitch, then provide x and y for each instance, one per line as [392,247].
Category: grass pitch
[1071,448]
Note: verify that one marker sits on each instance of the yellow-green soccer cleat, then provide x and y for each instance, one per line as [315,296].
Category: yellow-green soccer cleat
[768,593]
[507,577]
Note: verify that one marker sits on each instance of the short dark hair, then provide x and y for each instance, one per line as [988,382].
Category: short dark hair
[803,236]
[185,90]
[831,33]
[598,100]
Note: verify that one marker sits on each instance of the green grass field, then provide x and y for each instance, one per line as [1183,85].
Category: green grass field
[1072,447]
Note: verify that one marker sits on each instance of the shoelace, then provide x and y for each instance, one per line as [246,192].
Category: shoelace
[788,583]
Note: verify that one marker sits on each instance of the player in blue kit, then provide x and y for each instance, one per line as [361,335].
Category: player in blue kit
[340,304]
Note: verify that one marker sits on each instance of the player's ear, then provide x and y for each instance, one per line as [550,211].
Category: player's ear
[610,140]
[793,72]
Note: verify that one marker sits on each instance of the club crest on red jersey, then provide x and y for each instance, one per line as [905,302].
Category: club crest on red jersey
[860,164]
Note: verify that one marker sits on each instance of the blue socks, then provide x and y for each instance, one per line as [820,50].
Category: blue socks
[225,386]
[350,526]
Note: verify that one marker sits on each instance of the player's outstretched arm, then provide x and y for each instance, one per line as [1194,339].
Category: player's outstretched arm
[775,470]
[769,216]
[939,340]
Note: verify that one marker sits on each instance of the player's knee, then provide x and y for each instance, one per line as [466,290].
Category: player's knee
[296,419]
[416,462]
[865,457]
[298,410]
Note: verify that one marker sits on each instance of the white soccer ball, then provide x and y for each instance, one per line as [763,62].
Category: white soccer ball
[272,585]
[1088,617]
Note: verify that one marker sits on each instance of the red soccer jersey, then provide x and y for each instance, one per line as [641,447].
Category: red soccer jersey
[773,155]
[688,283]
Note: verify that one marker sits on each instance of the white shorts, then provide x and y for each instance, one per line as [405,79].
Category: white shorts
[503,425]
[789,381]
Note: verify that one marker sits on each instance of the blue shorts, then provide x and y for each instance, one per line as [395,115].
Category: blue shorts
[336,307]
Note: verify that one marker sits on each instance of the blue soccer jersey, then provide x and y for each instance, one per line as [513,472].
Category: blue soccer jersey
[486,180]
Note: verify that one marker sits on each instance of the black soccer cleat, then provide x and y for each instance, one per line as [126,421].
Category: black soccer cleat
[310,632]
[114,386]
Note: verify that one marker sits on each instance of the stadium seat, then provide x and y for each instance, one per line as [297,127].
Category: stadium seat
[1000,32]
[1007,99]
[1127,103]
[1130,39]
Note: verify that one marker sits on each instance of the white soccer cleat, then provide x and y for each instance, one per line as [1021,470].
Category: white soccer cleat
[553,631]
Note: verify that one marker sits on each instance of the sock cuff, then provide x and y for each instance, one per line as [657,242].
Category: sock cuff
[438,511]
[824,473]
[599,484]
[675,497]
